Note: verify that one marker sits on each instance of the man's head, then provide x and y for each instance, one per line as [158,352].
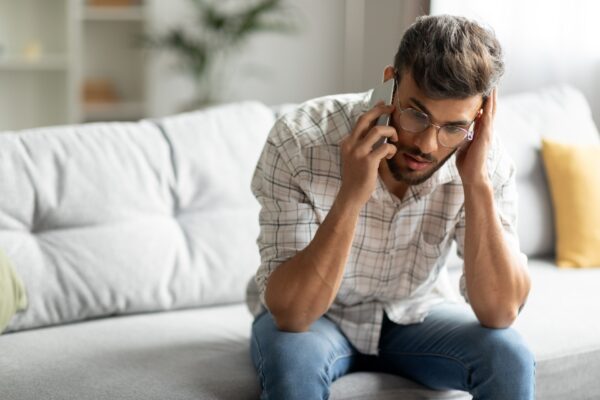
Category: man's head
[446,66]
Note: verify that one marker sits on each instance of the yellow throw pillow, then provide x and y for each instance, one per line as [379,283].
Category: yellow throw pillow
[574,175]
[12,293]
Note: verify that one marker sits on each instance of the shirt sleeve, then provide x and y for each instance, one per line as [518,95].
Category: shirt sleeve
[505,196]
[287,219]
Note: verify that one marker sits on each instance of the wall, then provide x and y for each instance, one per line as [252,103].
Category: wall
[275,68]
[381,26]
[545,42]
[342,46]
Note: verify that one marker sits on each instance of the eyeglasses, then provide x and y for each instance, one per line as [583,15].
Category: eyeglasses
[414,121]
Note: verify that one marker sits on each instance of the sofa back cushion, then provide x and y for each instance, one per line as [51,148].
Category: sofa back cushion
[214,154]
[114,218]
[560,113]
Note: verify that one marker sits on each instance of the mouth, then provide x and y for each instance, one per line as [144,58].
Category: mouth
[415,163]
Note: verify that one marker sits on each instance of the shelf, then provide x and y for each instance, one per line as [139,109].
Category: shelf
[44,63]
[48,49]
[113,111]
[118,13]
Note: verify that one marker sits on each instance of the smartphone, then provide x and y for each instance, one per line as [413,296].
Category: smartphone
[384,92]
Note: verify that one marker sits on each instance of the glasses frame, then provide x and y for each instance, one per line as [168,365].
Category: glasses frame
[468,133]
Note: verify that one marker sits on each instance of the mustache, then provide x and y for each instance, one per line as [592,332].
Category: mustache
[415,151]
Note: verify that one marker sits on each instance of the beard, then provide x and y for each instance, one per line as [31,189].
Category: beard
[409,176]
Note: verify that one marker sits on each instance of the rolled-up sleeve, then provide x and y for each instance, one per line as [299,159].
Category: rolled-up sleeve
[506,199]
[287,219]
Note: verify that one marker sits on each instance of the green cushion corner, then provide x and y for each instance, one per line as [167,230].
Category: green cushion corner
[13,297]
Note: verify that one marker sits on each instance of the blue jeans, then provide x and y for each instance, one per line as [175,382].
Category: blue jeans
[449,350]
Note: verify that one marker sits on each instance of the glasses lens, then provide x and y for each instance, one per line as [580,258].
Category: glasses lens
[413,121]
[452,136]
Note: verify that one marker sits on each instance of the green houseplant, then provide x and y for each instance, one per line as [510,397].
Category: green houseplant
[221,26]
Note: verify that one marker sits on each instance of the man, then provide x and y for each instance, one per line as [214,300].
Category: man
[353,237]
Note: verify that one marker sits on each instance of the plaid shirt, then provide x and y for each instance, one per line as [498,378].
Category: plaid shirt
[400,246]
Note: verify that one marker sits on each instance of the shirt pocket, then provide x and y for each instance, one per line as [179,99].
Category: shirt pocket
[428,256]
[430,251]
[426,266]
[434,238]
[435,229]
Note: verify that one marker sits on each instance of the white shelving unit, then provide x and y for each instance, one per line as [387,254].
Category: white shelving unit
[47,62]
[49,48]
[111,50]
[35,64]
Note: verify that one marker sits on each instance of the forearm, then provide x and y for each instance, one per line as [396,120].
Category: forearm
[302,289]
[497,283]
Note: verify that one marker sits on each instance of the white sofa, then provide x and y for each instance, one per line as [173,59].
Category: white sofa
[135,242]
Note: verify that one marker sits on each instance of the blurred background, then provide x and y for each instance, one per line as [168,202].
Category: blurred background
[71,61]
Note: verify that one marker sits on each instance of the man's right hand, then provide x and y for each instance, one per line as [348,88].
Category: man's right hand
[359,161]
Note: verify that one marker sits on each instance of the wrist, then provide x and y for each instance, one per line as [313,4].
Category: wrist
[478,187]
[345,202]
[473,175]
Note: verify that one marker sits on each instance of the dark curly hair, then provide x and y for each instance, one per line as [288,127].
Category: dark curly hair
[450,57]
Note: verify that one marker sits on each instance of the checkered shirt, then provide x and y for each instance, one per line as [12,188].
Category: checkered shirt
[400,246]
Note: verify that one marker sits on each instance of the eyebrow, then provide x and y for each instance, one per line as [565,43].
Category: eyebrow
[426,111]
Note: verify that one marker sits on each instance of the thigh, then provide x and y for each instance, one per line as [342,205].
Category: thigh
[299,365]
[450,349]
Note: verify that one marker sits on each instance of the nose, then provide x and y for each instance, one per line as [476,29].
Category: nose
[427,140]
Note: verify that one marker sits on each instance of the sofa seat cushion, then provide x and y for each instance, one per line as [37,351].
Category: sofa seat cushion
[561,324]
[190,354]
[204,353]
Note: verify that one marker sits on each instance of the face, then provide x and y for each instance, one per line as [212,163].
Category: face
[419,155]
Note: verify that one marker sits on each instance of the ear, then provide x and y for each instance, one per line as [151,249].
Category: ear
[388,73]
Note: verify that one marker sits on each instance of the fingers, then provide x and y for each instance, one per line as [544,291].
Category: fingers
[376,133]
[490,104]
[386,150]
[488,110]
[366,121]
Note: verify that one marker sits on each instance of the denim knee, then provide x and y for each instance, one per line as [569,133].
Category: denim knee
[507,363]
[291,365]
[301,351]
[506,349]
